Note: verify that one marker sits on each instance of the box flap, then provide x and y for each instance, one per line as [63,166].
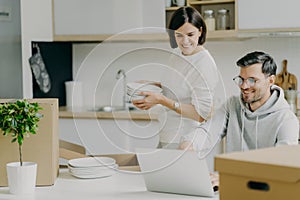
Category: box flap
[275,163]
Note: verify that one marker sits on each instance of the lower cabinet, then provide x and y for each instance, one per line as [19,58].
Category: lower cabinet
[109,136]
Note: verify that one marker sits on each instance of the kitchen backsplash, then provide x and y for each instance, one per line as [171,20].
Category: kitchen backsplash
[57,57]
[95,65]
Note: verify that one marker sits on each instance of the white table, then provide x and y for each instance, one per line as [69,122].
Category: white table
[118,186]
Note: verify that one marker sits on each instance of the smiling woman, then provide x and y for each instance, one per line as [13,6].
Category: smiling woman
[187,37]
[188,83]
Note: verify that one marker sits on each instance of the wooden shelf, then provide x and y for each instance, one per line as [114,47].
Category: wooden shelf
[113,38]
[173,8]
[207,2]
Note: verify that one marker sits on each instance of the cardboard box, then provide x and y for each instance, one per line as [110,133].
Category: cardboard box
[126,162]
[70,151]
[42,148]
[270,173]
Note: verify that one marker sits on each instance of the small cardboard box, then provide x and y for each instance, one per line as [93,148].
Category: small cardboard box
[70,151]
[42,148]
[127,162]
[270,173]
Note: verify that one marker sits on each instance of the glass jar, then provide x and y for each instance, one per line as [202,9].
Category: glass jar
[210,20]
[223,20]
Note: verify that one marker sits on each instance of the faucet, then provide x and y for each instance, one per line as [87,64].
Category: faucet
[120,74]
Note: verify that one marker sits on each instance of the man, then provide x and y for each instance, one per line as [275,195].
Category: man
[260,117]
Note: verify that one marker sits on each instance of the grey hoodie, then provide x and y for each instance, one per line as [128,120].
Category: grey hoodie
[272,124]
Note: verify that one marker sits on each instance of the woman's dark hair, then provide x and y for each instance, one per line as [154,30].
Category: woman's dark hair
[269,66]
[180,17]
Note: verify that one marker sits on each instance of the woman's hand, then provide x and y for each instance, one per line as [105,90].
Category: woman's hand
[186,145]
[151,99]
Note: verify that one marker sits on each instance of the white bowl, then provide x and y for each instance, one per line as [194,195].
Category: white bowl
[136,97]
[135,88]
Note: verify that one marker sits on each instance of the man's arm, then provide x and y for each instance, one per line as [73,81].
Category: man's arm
[209,133]
[288,132]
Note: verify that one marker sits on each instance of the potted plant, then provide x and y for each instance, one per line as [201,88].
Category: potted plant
[19,119]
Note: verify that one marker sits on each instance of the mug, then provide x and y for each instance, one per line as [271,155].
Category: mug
[179,2]
[168,3]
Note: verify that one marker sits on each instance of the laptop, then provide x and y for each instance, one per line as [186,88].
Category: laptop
[175,171]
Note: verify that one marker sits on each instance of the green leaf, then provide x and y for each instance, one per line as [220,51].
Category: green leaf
[19,119]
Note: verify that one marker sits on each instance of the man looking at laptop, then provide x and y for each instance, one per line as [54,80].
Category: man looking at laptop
[260,117]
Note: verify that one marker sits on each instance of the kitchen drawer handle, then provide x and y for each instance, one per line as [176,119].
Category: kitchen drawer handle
[254,185]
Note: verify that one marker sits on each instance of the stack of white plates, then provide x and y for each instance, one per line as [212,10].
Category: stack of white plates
[92,167]
[133,90]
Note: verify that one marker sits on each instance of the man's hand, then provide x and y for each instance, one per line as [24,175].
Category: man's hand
[215,181]
[186,145]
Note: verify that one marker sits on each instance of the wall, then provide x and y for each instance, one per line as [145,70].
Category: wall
[33,28]
[92,61]
[96,65]
[10,52]
[227,53]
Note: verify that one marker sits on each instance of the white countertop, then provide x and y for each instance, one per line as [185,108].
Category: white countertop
[118,186]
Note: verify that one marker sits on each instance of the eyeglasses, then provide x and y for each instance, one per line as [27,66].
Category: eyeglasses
[239,81]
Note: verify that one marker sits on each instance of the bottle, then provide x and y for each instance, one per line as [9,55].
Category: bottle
[210,20]
[223,20]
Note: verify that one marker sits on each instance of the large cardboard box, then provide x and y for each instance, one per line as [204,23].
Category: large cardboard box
[42,148]
[270,173]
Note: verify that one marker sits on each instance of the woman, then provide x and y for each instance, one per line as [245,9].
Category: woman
[190,81]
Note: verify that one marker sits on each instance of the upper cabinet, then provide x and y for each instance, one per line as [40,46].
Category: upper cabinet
[215,6]
[107,19]
[268,17]
[98,20]
[252,18]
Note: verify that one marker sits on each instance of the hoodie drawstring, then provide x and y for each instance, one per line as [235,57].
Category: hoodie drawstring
[243,126]
[256,128]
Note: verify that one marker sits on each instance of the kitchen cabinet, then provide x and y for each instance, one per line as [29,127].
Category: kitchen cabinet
[79,20]
[215,5]
[116,132]
[268,18]
[109,136]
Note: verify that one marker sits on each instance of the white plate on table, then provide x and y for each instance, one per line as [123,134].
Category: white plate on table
[92,162]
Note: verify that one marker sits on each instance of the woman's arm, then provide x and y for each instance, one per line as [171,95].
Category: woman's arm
[151,99]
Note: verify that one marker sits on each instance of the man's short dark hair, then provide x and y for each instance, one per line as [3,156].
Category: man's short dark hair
[269,66]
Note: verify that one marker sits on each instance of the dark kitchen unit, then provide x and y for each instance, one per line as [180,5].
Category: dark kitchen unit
[57,57]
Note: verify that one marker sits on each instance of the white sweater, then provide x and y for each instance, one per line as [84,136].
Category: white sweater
[188,80]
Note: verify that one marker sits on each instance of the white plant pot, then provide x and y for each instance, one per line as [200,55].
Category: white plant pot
[21,179]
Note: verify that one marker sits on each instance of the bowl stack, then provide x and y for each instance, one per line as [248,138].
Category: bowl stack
[92,167]
[134,89]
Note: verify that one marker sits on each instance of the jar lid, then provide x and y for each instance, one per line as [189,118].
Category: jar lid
[208,11]
[223,11]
